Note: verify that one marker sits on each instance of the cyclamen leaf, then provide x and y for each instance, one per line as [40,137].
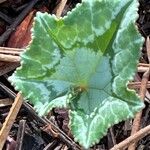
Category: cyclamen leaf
[84,62]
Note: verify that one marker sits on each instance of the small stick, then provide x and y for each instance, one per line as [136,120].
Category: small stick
[145,78]
[60,8]
[44,121]
[112,135]
[148,48]
[10,52]
[110,139]
[51,145]
[6,18]
[9,58]
[20,134]
[20,8]
[11,49]
[142,69]
[132,139]
[10,119]
[63,136]
[143,65]
[137,120]
[137,85]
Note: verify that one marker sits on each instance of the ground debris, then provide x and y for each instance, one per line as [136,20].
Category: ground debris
[28,130]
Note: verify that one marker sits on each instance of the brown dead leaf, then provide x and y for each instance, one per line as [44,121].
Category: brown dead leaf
[22,36]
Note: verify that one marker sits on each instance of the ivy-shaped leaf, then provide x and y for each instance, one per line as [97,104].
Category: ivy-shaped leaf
[84,62]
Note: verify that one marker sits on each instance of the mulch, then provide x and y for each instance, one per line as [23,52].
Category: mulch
[31,132]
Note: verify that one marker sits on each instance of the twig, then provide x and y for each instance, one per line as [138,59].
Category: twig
[137,120]
[143,65]
[7,54]
[10,119]
[132,139]
[9,58]
[20,134]
[63,136]
[60,8]
[44,121]
[142,69]
[6,18]
[145,78]
[51,145]
[148,48]
[137,85]
[10,52]
[21,7]
[112,136]
[18,20]
[11,49]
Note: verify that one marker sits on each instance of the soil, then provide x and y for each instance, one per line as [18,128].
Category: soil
[37,135]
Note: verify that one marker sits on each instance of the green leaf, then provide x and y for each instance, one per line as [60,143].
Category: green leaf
[84,62]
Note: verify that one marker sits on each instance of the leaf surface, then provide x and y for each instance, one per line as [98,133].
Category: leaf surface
[84,62]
